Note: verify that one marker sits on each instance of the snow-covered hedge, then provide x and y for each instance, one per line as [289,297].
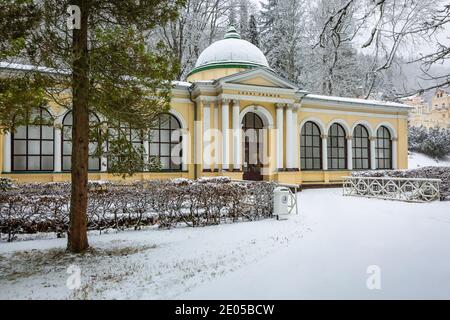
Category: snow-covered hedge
[442,173]
[43,207]
[6,184]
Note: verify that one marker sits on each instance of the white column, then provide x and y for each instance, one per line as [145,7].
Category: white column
[103,164]
[280,130]
[237,157]
[225,138]
[394,153]
[373,159]
[289,138]
[349,152]
[145,141]
[7,152]
[324,152]
[206,136]
[296,138]
[57,155]
[216,138]
[103,158]
[185,149]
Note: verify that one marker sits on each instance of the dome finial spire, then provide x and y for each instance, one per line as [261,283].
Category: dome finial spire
[232,33]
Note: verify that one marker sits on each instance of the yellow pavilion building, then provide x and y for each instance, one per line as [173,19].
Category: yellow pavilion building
[234,116]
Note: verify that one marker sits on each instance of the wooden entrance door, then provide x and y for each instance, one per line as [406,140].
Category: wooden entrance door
[252,126]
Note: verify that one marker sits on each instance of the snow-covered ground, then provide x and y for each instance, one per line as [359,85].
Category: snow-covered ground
[418,160]
[323,252]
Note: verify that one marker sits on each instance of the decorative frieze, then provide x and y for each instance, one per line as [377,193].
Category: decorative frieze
[259,94]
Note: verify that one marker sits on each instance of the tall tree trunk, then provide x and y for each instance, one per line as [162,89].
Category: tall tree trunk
[77,235]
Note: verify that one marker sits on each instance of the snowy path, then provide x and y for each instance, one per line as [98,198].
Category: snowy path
[322,253]
[409,242]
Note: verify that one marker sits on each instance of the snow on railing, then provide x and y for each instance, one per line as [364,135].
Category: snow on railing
[403,189]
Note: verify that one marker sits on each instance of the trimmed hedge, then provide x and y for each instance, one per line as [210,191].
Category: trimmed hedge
[44,207]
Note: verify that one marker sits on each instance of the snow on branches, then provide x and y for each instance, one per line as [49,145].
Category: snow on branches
[434,142]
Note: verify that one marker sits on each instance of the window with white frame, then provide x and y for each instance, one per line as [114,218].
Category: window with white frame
[33,145]
[361,148]
[337,148]
[94,162]
[310,147]
[164,137]
[384,148]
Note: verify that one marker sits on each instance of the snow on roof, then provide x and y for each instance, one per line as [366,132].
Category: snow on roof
[357,101]
[411,97]
[182,83]
[28,67]
[231,49]
[205,81]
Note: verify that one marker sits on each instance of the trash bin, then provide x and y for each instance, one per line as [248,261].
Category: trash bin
[281,205]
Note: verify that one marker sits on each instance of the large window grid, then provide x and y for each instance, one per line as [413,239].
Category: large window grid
[384,149]
[94,162]
[32,147]
[134,136]
[337,148]
[361,148]
[310,147]
[162,141]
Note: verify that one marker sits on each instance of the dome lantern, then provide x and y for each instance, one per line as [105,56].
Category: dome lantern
[232,33]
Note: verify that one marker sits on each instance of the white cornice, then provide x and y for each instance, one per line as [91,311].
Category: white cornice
[202,88]
[205,98]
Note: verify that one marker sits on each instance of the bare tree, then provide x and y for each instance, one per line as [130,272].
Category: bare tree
[393,25]
[198,25]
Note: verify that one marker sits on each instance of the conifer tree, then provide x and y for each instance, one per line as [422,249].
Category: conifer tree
[243,19]
[253,36]
[100,64]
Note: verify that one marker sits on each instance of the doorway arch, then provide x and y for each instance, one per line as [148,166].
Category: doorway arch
[252,126]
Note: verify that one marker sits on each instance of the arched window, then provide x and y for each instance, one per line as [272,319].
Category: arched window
[310,147]
[361,148]
[94,163]
[384,149]
[162,141]
[337,148]
[134,136]
[33,145]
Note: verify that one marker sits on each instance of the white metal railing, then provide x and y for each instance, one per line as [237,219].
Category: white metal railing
[403,189]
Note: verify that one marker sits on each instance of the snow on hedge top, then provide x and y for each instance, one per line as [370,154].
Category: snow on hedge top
[232,49]
[220,179]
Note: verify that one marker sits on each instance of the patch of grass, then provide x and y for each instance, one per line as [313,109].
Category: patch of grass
[26,263]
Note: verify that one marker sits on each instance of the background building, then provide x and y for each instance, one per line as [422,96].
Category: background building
[431,114]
